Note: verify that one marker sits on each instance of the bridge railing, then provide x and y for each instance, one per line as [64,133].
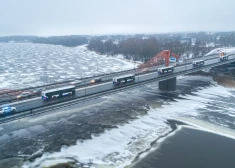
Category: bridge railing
[4,95]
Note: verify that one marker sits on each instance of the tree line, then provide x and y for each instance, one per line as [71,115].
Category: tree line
[139,49]
[142,47]
[69,41]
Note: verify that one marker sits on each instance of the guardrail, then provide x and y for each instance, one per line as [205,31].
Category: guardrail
[57,105]
[85,78]
[105,75]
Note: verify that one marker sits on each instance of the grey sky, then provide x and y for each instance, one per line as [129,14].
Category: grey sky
[66,17]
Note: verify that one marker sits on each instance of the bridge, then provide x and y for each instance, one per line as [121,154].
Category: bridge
[166,82]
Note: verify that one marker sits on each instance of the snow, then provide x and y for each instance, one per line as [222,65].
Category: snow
[118,147]
[26,64]
[228,50]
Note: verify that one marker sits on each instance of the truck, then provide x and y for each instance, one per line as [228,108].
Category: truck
[7,110]
[172,60]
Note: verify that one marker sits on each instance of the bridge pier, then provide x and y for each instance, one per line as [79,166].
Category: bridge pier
[167,85]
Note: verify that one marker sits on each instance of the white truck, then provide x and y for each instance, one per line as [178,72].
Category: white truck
[172,60]
[176,62]
[6,110]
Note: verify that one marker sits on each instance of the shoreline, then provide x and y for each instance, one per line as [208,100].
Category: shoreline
[224,80]
[160,139]
[189,146]
[154,144]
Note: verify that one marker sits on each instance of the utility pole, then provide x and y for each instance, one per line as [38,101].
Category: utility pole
[134,64]
[97,66]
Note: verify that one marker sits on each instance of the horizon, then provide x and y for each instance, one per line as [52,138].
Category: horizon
[121,34]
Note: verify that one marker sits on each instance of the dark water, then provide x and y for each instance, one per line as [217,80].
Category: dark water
[190,148]
[27,140]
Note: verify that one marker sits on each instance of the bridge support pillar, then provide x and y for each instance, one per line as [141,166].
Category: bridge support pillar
[167,85]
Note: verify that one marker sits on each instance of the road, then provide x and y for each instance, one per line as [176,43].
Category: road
[11,97]
[107,86]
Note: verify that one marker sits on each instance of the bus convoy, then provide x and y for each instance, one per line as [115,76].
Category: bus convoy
[70,90]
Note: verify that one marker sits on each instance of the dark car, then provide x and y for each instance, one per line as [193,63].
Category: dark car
[96,80]
[37,92]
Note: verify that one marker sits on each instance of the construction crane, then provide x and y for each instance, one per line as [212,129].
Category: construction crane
[160,58]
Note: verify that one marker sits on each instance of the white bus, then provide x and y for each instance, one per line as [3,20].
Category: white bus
[164,70]
[123,79]
[198,63]
[58,92]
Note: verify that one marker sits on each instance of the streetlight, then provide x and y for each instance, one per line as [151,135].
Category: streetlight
[97,66]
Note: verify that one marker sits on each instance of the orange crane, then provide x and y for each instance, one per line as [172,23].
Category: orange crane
[159,59]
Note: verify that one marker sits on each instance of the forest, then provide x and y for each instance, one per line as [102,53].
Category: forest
[143,47]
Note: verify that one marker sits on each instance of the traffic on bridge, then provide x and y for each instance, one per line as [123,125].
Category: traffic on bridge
[152,71]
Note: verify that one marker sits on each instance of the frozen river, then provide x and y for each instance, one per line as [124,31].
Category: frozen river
[26,64]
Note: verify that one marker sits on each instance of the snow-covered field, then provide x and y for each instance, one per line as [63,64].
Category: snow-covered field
[27,64]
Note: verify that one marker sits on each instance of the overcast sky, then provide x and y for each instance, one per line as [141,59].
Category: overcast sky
[95,17]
